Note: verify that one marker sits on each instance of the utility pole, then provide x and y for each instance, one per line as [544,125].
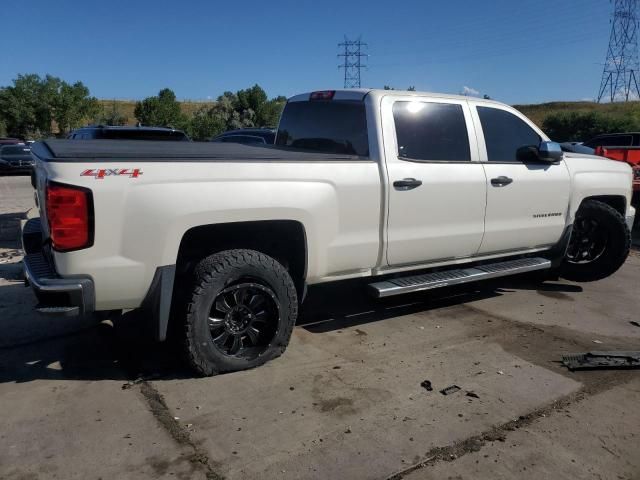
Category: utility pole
[621,68]
[352,61]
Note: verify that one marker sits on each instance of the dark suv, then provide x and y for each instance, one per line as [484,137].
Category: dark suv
[260,136]
[631,139]
[128,133]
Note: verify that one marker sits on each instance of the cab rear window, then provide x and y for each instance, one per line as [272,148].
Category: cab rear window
[325,126]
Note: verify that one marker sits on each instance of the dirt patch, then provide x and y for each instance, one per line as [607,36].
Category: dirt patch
[334,403]
[499,433]
[198,459]
[542,346]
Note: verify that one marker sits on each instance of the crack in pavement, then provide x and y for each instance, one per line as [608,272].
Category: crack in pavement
[158,407]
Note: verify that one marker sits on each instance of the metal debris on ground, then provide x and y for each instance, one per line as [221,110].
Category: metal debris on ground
[449,390]
[427,385]
[602,360]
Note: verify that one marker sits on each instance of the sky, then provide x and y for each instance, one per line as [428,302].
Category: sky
[516,51]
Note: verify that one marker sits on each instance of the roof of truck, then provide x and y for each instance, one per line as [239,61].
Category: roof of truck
[360,93]
[133,150]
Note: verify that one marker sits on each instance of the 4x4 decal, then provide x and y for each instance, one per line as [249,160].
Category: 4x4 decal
[100,173]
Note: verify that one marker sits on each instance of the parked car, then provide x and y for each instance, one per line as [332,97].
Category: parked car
[439,190]
[630,155]
[624,147]
[265,136]
[128,133]
[15,159]
[629,139]
[577,147]
[10,141]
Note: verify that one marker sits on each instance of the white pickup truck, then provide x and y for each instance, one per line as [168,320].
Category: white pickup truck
[408,191]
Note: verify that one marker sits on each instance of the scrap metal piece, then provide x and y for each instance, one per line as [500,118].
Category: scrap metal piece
[450,389]
[602,360]
[426,385]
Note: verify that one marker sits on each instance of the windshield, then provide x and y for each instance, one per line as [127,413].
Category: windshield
[17,150]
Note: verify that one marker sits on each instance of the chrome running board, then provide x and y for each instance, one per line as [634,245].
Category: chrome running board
[428,281]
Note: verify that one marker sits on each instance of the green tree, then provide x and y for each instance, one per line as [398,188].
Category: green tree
[30,105]
[162,110]
[254,99]
[206,122]
[245,108]
[25,106]
[71,105]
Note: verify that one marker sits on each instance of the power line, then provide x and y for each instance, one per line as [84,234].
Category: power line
[352,61]
[621,68]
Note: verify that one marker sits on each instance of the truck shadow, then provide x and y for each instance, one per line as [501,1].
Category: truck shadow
[122,350]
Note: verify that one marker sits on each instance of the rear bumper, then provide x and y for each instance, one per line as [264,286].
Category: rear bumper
[68,296]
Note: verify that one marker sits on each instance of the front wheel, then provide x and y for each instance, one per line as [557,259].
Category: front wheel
[241,312]
[599,244]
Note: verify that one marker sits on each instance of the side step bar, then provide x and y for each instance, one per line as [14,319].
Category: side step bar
[428,281]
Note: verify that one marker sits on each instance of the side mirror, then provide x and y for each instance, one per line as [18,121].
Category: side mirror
[549,152]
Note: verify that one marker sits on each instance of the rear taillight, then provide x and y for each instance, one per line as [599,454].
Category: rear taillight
[70,215]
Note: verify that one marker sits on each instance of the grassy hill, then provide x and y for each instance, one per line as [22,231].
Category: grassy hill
[539,112]
[126,107]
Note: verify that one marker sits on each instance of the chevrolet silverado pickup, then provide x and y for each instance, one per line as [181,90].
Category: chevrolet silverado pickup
[406,191]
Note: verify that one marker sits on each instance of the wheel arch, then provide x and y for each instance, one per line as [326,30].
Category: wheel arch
[283,240]
[617,202]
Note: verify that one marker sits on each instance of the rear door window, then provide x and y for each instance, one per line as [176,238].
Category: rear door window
[325,126]
[504,134]
[431,132]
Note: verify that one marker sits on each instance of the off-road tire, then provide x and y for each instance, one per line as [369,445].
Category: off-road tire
[211,276]
[617,245]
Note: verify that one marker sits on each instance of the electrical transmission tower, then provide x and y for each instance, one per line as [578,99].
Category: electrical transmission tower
[352,61]
[621,68]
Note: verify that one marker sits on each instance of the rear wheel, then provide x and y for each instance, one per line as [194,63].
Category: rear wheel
[599,245]
[241,312]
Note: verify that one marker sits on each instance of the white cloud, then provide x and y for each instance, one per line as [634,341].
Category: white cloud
[470,91]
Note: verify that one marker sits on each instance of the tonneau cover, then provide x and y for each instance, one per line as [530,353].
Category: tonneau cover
[55,150]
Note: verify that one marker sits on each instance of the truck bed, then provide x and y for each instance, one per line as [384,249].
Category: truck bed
[54,150]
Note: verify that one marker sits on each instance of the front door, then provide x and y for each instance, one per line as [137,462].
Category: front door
[527,202]
[437,188]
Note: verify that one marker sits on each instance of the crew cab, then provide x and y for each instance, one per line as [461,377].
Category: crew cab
[406,191]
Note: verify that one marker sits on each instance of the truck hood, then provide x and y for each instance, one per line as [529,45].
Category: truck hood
[581,163]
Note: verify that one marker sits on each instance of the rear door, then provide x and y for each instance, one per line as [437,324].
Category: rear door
[527,202]
[437,188]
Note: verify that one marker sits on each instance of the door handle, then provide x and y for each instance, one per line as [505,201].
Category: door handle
[407,184]
[501,181]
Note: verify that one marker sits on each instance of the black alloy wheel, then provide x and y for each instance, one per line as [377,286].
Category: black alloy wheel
[244,319]
[588,242]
